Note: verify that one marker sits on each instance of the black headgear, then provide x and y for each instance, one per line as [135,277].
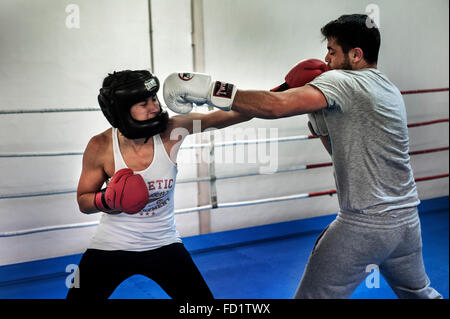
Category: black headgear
[127,88]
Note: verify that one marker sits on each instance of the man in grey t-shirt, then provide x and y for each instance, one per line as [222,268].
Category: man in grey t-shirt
[367,126]
[378,226]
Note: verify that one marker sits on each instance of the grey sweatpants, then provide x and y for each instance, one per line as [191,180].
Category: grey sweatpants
[351,245]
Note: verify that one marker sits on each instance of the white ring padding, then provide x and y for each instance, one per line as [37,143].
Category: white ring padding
[212,175]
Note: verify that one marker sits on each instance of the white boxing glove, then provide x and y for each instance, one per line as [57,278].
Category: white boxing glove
[182,90]
[317,124]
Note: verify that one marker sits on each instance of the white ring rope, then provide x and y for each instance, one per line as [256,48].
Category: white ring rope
[177,212]
[55,110]
[97,109]
[196,146]
[208,179]
[207,145]
[198,209]
[183,147]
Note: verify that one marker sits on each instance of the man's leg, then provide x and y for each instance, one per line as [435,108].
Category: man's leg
[404,269]
[338,262]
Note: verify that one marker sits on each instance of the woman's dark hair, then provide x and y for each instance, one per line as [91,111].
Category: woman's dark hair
[355,30]
[123,77]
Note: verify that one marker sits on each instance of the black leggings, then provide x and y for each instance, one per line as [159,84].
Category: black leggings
[171,267]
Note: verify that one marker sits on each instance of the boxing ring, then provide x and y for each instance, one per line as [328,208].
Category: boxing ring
[265,261]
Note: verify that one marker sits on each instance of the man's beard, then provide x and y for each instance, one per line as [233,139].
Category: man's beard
[344,65]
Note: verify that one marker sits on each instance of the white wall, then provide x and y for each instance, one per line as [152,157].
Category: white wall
[251,43]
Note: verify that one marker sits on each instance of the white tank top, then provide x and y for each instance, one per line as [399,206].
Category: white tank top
[152,227]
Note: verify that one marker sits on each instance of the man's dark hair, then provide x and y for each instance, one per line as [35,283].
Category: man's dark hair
[355,30]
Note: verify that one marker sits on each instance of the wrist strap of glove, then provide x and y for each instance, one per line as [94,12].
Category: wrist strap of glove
[222,95]
[100,201]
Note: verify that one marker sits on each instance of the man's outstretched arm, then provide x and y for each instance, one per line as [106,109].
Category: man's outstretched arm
[272,105]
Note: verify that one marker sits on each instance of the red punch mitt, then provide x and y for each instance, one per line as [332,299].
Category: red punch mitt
[126,192]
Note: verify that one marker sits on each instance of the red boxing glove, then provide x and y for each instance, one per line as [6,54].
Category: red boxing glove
[126,192]
[304,72]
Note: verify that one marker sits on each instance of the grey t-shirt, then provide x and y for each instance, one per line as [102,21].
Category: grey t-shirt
[367,124]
